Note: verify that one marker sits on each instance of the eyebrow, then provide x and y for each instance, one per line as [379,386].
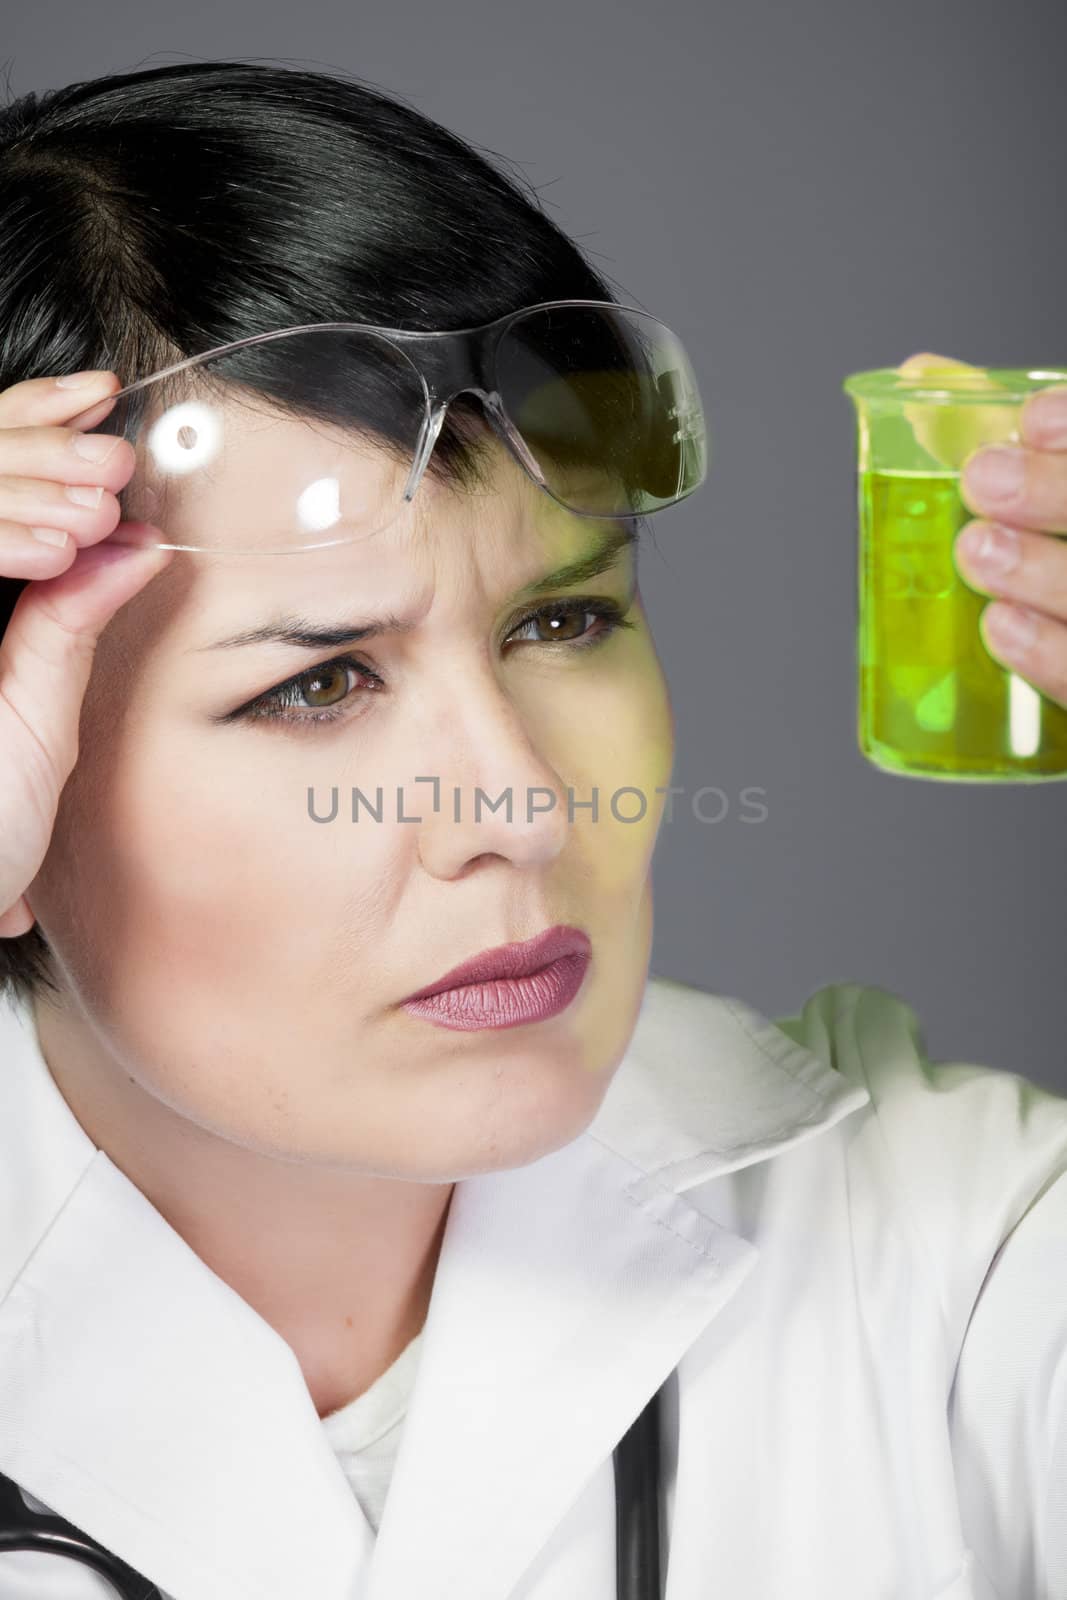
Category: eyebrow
[304,634]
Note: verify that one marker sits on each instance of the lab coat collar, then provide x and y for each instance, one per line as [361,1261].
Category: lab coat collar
[145,1401]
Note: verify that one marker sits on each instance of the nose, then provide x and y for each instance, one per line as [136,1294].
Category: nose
[490,794]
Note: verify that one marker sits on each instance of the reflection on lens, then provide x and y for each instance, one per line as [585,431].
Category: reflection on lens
[607,404]
[185,437]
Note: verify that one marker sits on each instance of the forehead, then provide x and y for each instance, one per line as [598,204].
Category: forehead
[222,470]
[264,478]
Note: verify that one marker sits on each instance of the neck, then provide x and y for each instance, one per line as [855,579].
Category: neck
[340,1263]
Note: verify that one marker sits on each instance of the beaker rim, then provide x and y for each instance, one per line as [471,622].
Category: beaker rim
[1012,383]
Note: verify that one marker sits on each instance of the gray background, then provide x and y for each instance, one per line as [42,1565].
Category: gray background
[801,191]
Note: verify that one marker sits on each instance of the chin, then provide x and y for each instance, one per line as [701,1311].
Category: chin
[535,1111]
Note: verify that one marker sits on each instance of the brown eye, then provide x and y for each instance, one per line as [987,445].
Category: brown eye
[325,686]
[557,624]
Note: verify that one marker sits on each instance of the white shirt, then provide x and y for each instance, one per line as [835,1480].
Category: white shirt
[845,1264]
[364,1435]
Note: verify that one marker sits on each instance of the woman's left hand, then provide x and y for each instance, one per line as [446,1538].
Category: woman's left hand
[1011,550]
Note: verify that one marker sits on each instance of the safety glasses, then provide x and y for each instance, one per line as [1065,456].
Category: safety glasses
[320,434]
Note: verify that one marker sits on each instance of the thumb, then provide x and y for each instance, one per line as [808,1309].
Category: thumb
[46,656]
[950,430]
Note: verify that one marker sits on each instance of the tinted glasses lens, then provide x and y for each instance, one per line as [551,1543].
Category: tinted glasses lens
[608,406]
[290,442]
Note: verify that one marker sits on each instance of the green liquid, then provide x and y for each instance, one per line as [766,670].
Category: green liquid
[933,702]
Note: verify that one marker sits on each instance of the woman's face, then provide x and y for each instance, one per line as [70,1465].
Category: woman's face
[245,963]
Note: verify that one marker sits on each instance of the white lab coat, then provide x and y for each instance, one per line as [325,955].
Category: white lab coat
[799,1224]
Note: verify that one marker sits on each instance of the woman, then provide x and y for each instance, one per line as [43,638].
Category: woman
[278,1237]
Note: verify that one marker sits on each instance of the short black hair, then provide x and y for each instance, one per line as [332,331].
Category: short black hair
[152,215]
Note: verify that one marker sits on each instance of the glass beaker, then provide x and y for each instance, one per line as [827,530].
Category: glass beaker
[932,701]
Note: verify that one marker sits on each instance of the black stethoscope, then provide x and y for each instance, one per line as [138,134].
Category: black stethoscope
[637,1559]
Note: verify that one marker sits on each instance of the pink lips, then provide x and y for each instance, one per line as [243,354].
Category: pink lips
[509,985]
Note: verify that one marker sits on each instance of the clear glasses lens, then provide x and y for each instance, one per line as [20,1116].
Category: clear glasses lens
[291,442]
[296,440]
[608,405]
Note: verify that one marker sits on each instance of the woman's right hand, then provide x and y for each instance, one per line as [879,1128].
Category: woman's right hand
[47,649]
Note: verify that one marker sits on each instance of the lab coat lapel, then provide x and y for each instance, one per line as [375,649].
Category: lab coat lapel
[568,1290]
[140,1397]
[146,1402]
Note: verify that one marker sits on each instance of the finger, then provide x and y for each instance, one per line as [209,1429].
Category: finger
[48,646]
[926,362]
[58,477]
[31,552]
[1014,564]
[40,535]
[1043,424]
[40,553]
[47,484]
[1024,487]
[40,401]
[38,451]
[950,429]
[17,919]
[1030,644]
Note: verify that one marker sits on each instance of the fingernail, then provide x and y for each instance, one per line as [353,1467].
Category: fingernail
[57,536]
[995,473]
[77,380]
[991,547]
[94,446]
[1013,628]
[83,496]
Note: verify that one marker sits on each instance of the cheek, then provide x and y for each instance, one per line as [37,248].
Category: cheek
[617,741]
[207,875]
